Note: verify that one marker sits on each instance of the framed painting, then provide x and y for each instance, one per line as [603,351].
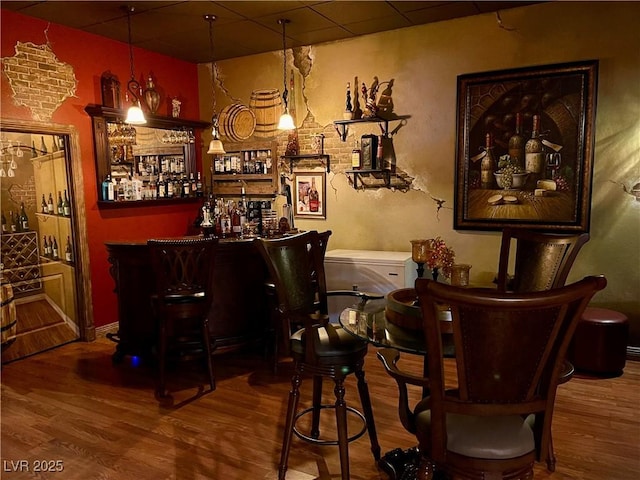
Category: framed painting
[309,195]
[524,154]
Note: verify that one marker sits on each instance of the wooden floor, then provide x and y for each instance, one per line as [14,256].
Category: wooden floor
[71,408]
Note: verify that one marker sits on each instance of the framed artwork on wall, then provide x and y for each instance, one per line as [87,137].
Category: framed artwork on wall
[524,153]
[309,195]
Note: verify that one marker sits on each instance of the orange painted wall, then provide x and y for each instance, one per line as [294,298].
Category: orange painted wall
[91,55]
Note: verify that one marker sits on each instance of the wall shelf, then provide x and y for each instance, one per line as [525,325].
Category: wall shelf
[325,159]
[342,126]
[387,176]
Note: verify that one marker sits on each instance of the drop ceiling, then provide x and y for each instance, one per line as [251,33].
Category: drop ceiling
[179,30]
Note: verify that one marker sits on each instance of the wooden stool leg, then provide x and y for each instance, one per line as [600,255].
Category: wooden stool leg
[317,404]
[294,396]
[206,339]
[162,354]
[341,422]
[365,399]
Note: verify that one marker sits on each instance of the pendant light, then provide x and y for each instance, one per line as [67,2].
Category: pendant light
[215,146]
[286,120]
[134,114]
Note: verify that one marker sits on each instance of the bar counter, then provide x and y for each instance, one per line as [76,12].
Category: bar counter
[239,315]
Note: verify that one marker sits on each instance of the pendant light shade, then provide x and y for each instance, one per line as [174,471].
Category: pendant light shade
[135,116]
[215,146]
[286,120]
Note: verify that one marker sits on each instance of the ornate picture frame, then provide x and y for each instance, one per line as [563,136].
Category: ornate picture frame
[309,192]
[549,189]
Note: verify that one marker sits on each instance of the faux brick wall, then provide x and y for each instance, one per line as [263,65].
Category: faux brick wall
[39,81]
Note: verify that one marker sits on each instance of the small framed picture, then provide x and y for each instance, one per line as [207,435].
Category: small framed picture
[309,195]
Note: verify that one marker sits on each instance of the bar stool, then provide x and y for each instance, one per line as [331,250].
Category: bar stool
[183,269]
[320,349]
[599,343]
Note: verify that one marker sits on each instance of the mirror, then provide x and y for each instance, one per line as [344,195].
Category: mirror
[45,272]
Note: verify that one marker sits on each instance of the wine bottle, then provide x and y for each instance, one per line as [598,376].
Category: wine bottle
[488,165]
[534,152]
[24,220]
[50,204]
[43,205]
[60,204]
[68,255]
[66,206]
[314,197]
[186,186]
[108,194]
[516,144]
[356,157]
[4,223]
[46,247]
[169,187]
[194,187]
[54,248]
[43,146]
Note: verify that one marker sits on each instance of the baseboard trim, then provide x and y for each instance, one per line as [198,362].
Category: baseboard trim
[103,330]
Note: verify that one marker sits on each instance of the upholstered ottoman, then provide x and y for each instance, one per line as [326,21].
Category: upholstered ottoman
[599,344]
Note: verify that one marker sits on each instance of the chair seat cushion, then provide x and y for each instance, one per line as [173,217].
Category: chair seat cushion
[329,341]
[492,438]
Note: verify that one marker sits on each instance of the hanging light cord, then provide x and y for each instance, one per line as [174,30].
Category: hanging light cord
[129,9]
[210,19]
[285,93]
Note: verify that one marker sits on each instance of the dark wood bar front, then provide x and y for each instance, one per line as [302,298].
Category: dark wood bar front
[239,315]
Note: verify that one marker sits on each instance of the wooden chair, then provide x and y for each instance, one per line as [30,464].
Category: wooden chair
[542,260]
[320,349]
[480,423]
[183,269]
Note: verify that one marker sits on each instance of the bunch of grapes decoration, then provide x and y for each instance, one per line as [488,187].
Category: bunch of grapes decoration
[440,258]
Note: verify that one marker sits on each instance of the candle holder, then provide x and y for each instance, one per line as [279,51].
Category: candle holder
[419,254]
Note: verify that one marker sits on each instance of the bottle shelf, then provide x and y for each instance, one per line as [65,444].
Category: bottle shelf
[147,203]
[45,216]
[324,159]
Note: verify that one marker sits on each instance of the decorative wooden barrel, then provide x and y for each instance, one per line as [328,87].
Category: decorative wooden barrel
[7,314]
[403,311]
[237,122]
[266,105]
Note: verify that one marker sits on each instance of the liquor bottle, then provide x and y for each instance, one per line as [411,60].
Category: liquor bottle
[488,165]
[60,204]
[169,187]
[534,152]
[66,206]
[186,186]
[54,248]
[4,223]
[199,191]
[68,255]
[236,226]
[50,204]
[43,205]
[162,187]
[107,189]
[379,155]
[516,144]
[24,220]
[314,198]
[356,157]
[194,186]
[46,247]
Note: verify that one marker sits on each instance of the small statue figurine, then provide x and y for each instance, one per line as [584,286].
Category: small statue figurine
[175,107]
[371,109]
[385,104]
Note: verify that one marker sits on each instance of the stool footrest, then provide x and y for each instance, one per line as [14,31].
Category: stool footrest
[319,441]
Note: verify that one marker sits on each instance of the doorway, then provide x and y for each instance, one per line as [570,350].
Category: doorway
[45,288]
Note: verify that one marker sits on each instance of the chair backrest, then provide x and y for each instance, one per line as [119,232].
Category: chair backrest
[296,267]
[509,349]
[542,260]
[183,269]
